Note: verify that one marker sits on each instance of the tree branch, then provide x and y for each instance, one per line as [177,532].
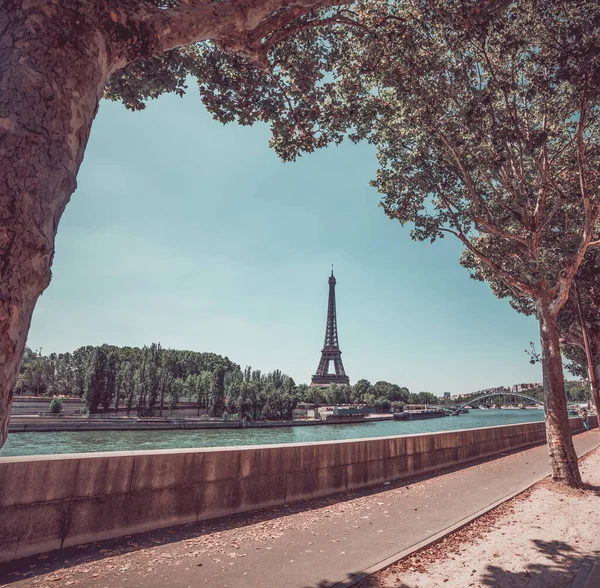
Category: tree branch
[230,24]
[510,281]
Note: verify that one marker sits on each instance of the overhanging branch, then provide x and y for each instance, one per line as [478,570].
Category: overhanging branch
[232,23]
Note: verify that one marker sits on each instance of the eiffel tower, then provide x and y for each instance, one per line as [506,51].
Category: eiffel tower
[331,350]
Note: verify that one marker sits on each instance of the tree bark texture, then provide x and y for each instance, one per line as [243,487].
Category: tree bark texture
[563,458]
[53,69]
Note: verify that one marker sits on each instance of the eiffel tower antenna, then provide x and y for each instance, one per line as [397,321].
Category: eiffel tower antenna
[331,349]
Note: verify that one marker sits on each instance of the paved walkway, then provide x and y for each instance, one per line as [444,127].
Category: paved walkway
[311,545]
[588,575]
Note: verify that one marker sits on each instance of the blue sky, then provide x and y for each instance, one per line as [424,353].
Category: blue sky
[195,235]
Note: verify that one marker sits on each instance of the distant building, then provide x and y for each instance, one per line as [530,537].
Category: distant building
[525,387]
[446,394]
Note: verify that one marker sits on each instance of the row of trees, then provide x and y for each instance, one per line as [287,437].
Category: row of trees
[153,379]
[145,379]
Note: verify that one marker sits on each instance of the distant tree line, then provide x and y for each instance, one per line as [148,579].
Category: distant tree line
[381,395]
[147,379]
[152,380]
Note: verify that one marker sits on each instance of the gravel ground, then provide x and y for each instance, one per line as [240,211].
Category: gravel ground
[537,540]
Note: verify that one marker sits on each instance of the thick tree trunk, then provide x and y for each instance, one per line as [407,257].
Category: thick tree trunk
[563,458]
[53,69]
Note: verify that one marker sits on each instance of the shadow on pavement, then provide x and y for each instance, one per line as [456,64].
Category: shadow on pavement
[350,581]
[568,567]
[591,488]
[566,563]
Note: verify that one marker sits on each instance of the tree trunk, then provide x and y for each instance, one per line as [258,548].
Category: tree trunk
[594,334]
[563,458]
[53,69]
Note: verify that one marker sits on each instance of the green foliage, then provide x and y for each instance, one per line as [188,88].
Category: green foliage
[144,378]
[127,382]
[95,380]
[34,379]
[423,398]
[56,405]
[381,395]
[176,391]
[578,392]
[255,395]
[153,379]
[587,282]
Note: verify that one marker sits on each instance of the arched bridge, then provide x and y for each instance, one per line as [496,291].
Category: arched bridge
[494,394]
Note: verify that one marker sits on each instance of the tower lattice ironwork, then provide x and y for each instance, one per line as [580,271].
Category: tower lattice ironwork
[331,349]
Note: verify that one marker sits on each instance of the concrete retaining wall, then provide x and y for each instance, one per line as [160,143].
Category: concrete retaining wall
[49,502]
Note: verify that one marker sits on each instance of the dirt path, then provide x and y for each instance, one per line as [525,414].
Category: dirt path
[538,540]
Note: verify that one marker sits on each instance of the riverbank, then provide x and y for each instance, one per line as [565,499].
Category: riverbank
[59,423]
[81,441]
[318,543]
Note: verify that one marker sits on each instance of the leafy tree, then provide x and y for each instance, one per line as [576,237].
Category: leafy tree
[235,392]
[141,383]
[382,404]
[128,385]
[337,394]
[64,380]
[166,383]
[588,290]
[56,405]
[204,383]
[256,392]
[34,378]
[577,392]
[423,398]
[369,399]
[392,392]
[280,395]
[359,390]
[175,392]
[28,356]
[153,379]
[79,369]
[312,394]
[95,381]
[110,381]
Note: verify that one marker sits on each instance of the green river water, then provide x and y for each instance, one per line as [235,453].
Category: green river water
[86,441]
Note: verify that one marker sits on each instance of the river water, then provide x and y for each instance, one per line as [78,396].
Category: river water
[86,441]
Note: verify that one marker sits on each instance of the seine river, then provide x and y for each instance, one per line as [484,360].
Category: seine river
[79,442]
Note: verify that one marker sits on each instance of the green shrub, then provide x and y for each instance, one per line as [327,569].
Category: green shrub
[56,405]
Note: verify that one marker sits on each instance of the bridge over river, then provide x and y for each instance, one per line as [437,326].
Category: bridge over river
[508,399]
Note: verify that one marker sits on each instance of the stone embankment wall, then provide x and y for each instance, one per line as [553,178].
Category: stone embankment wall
[49,502]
